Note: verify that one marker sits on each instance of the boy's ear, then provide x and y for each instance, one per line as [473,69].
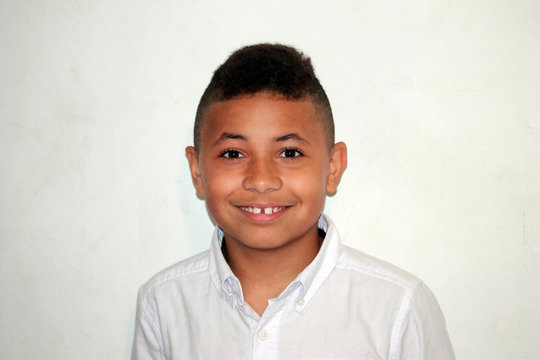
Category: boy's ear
[338,164]
[193,160]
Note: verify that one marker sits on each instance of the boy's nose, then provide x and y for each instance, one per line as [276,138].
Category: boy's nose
[261,177]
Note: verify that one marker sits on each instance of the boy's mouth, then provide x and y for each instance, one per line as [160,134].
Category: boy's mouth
[263,213]
[266,210]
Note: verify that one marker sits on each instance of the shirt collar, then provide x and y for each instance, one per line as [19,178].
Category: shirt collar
[312,277]
[221,273]
[309,280]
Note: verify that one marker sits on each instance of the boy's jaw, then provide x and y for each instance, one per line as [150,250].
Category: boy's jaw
[263,213]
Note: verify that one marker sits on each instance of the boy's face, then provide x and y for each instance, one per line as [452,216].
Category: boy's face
[264,169]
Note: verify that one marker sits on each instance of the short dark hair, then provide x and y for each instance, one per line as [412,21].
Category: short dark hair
[274,68]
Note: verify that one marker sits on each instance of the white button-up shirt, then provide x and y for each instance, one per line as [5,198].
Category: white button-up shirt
[344,305]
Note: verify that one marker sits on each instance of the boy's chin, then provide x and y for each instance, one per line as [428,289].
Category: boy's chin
[273,239]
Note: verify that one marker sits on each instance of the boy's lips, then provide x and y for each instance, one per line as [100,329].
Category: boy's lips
[263,212]
[260,210]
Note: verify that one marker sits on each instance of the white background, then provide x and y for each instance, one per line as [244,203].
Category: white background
[437,100]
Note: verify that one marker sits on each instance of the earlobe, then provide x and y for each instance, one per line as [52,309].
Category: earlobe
[196,177]
[338,164]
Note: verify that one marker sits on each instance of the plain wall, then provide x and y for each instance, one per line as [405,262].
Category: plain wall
[437,100]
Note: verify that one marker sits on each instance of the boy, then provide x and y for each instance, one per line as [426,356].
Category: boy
[276,282]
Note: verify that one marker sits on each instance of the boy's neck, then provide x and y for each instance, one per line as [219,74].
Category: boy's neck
[264,274]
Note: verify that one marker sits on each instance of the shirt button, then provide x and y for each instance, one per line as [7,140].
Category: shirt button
[234,288]
[263,335]
[300,302]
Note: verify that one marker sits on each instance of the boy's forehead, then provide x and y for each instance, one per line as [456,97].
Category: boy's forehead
[248,110]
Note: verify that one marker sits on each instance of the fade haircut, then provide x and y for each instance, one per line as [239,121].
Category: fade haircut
[273,68]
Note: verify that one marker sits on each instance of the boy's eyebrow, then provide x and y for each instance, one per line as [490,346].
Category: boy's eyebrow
[227,135]
[291,136]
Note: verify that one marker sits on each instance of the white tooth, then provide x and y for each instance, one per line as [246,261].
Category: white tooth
[276,209]
[256,210]
[268,210]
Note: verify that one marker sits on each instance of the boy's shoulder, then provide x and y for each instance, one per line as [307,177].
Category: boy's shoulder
[368,267]
[184,270]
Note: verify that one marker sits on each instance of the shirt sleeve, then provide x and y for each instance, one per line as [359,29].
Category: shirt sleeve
[422,334]
[147,342]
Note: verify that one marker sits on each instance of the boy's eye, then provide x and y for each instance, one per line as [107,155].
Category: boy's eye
[232,154]
[290,153]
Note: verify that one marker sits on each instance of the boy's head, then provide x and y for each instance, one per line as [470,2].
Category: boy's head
[270,68]
[264,156]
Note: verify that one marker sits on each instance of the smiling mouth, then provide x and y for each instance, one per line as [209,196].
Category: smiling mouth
[266,210]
